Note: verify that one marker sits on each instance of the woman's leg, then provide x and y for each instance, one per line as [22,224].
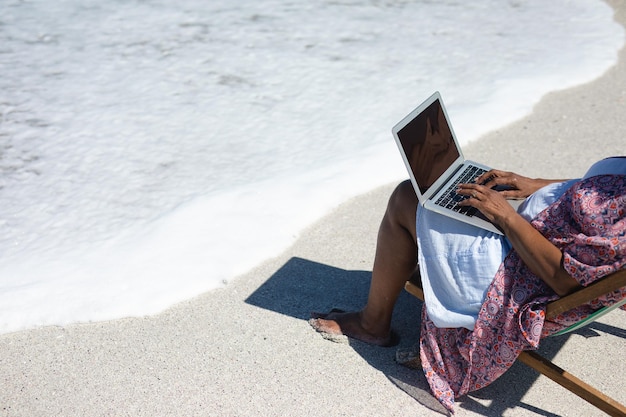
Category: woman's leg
[394,263]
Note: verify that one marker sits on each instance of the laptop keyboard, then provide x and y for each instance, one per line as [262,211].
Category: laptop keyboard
[450,198]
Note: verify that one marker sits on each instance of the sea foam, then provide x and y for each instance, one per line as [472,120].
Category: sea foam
[152,151]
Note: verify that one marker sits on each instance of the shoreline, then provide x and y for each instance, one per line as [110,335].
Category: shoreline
[126,269]
[247,349]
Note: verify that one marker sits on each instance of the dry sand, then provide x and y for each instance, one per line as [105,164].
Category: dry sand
[247,350]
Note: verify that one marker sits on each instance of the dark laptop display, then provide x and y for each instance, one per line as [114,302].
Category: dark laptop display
[428,144]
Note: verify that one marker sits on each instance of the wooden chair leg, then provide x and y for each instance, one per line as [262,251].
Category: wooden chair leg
[414,289]
[573,384]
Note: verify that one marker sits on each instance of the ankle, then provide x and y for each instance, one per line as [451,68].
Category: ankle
[375,325]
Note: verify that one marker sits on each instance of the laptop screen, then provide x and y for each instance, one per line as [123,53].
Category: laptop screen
[429,146]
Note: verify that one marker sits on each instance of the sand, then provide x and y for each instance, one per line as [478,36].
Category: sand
[247,349]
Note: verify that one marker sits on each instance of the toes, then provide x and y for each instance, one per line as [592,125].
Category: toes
[325,326]
[409,357]
[331,330]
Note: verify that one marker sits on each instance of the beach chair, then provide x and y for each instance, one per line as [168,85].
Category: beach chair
[544,366]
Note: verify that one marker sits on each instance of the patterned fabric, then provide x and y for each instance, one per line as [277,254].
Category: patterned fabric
[588,225]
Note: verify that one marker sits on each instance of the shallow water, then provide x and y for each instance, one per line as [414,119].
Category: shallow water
[151,151]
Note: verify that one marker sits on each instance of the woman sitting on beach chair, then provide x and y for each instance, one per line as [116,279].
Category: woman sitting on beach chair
[485,293]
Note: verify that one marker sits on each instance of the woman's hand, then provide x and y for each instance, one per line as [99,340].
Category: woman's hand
[511,185]
[491,203]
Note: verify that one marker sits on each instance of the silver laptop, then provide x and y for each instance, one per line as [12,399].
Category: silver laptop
[436,164]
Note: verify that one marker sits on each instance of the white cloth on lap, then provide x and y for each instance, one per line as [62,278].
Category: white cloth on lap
[458,261]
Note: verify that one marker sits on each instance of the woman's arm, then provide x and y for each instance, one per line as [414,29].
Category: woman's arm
[543,258]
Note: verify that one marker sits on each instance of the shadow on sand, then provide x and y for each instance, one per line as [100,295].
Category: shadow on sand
[302,286]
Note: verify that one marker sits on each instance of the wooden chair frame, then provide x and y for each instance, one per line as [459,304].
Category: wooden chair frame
[606,285]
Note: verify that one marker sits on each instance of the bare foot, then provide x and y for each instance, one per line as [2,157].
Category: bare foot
[409,357]
[348,324]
